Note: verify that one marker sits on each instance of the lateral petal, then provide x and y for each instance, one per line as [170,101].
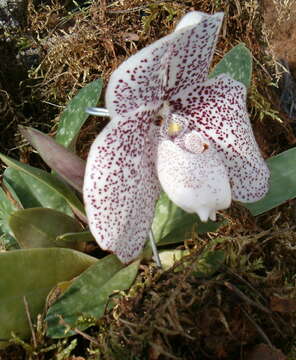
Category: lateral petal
[217,109]
[121,186]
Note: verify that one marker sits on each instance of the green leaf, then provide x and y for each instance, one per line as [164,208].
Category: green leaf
[63,161]
[88,295]
[52,182]
[31,192]
[74,115]
[11,192]
[31,273]
[173,225]
[209,262]
[237,63]
[39,227]
[84,236]
[6,209]
[282,182]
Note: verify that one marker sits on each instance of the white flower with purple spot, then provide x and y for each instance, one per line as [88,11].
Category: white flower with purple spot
[202,152]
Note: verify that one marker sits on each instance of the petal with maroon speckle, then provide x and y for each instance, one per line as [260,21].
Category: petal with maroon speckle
[121,186]
[138,83]
[205,150]
[192,50]
[163,68]
[217,109]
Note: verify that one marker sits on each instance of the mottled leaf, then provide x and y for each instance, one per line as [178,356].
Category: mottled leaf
[39,227]
[209,262]
[282,182]
[31,192]
[49,180]
[10,191]
[6,209]
[237,63]
[63,161]
[74,115]
[88,296]
[8,242]
[169,257]
[31,273]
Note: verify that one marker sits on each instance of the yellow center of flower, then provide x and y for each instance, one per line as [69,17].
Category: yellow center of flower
[174,128]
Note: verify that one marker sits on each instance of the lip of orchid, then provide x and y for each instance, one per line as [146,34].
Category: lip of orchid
[193,175]
[203,154]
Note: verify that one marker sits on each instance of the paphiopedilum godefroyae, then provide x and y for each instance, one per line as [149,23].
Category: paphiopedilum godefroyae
[170,127]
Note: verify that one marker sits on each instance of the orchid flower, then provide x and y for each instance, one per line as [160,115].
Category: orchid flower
[170,127]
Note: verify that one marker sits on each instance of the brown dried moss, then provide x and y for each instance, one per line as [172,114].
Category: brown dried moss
[90,42]
[180,315]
